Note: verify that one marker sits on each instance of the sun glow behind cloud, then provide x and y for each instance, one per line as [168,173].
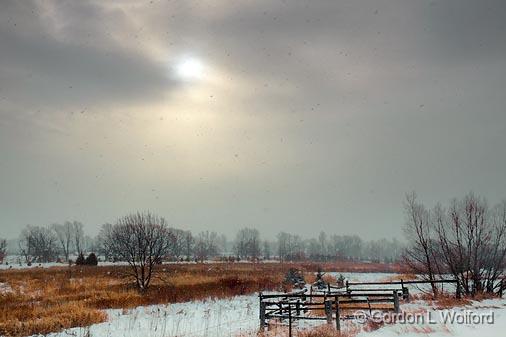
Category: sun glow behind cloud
[189,69]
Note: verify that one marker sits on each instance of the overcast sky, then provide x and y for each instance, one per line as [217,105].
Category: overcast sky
[298,116]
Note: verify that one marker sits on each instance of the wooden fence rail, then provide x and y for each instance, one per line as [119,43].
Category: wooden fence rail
[297,306]
[300,305]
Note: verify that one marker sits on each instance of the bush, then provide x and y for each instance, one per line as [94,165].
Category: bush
[295,278]
[91,260]
[80,259]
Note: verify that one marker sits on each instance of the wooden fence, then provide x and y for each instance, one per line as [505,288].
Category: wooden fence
[300,306]
[335,301]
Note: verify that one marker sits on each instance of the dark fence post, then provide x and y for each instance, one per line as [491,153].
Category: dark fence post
[405,294]
[458,293]
[289,320]
[347,287]
[338,319]
[297,307]
[262,313]
[328,311]
[501,287]
[396,302]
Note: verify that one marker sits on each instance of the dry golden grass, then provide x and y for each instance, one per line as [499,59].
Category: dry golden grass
[50,300]
[404,277]
[31,319]
[445,300]
[319,331]
[371,325]
[328,331]
[310,277]
[449,301]
[329,279]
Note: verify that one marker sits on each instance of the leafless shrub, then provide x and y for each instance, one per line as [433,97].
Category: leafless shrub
[205,245]
[142,240]
[467,240]
[247,243]
[421,256]
[3,249]
[38,244]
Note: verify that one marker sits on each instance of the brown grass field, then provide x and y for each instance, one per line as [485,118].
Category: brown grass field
[52,299]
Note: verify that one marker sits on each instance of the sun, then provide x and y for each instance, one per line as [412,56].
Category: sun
[190,68]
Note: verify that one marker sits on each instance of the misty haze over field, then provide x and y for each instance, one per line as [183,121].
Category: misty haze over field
[295,116]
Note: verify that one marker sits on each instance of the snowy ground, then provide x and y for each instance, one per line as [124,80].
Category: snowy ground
[239,316]
[490,321]
[5,288]
[227,317]
[18,262]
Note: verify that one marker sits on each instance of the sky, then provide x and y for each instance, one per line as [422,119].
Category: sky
[295,116]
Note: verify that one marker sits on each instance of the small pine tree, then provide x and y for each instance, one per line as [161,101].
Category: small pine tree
[295,278]
[80,259]
[91,260]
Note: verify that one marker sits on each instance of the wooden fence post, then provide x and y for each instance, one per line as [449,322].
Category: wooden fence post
[501,287]
[405,294]
[338,317]
[396,302]
[458,293]
[347,287]
[262,313]
[289,320]
[297,307]
[328,311]
[405,291]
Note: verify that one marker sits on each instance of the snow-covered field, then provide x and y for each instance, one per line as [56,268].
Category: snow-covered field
[226,317]
[440,324]
[239,316]
[17,262]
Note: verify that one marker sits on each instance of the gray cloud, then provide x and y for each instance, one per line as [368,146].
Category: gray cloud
[333,110]
[80,67]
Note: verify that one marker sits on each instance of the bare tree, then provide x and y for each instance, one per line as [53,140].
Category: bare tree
[322,243]
[3,249]
[143,240]
[420,255]
[283,245]
[178,248]
[38,244]
[65,237]
[78,236]
[103,241]
[495,254]
[205,245]
[247,243]
[267,250]
[188,243]
[467,240]
[472,239]
[222,244]
[290,247]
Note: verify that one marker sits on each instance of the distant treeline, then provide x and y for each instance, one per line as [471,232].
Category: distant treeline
[63,242]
